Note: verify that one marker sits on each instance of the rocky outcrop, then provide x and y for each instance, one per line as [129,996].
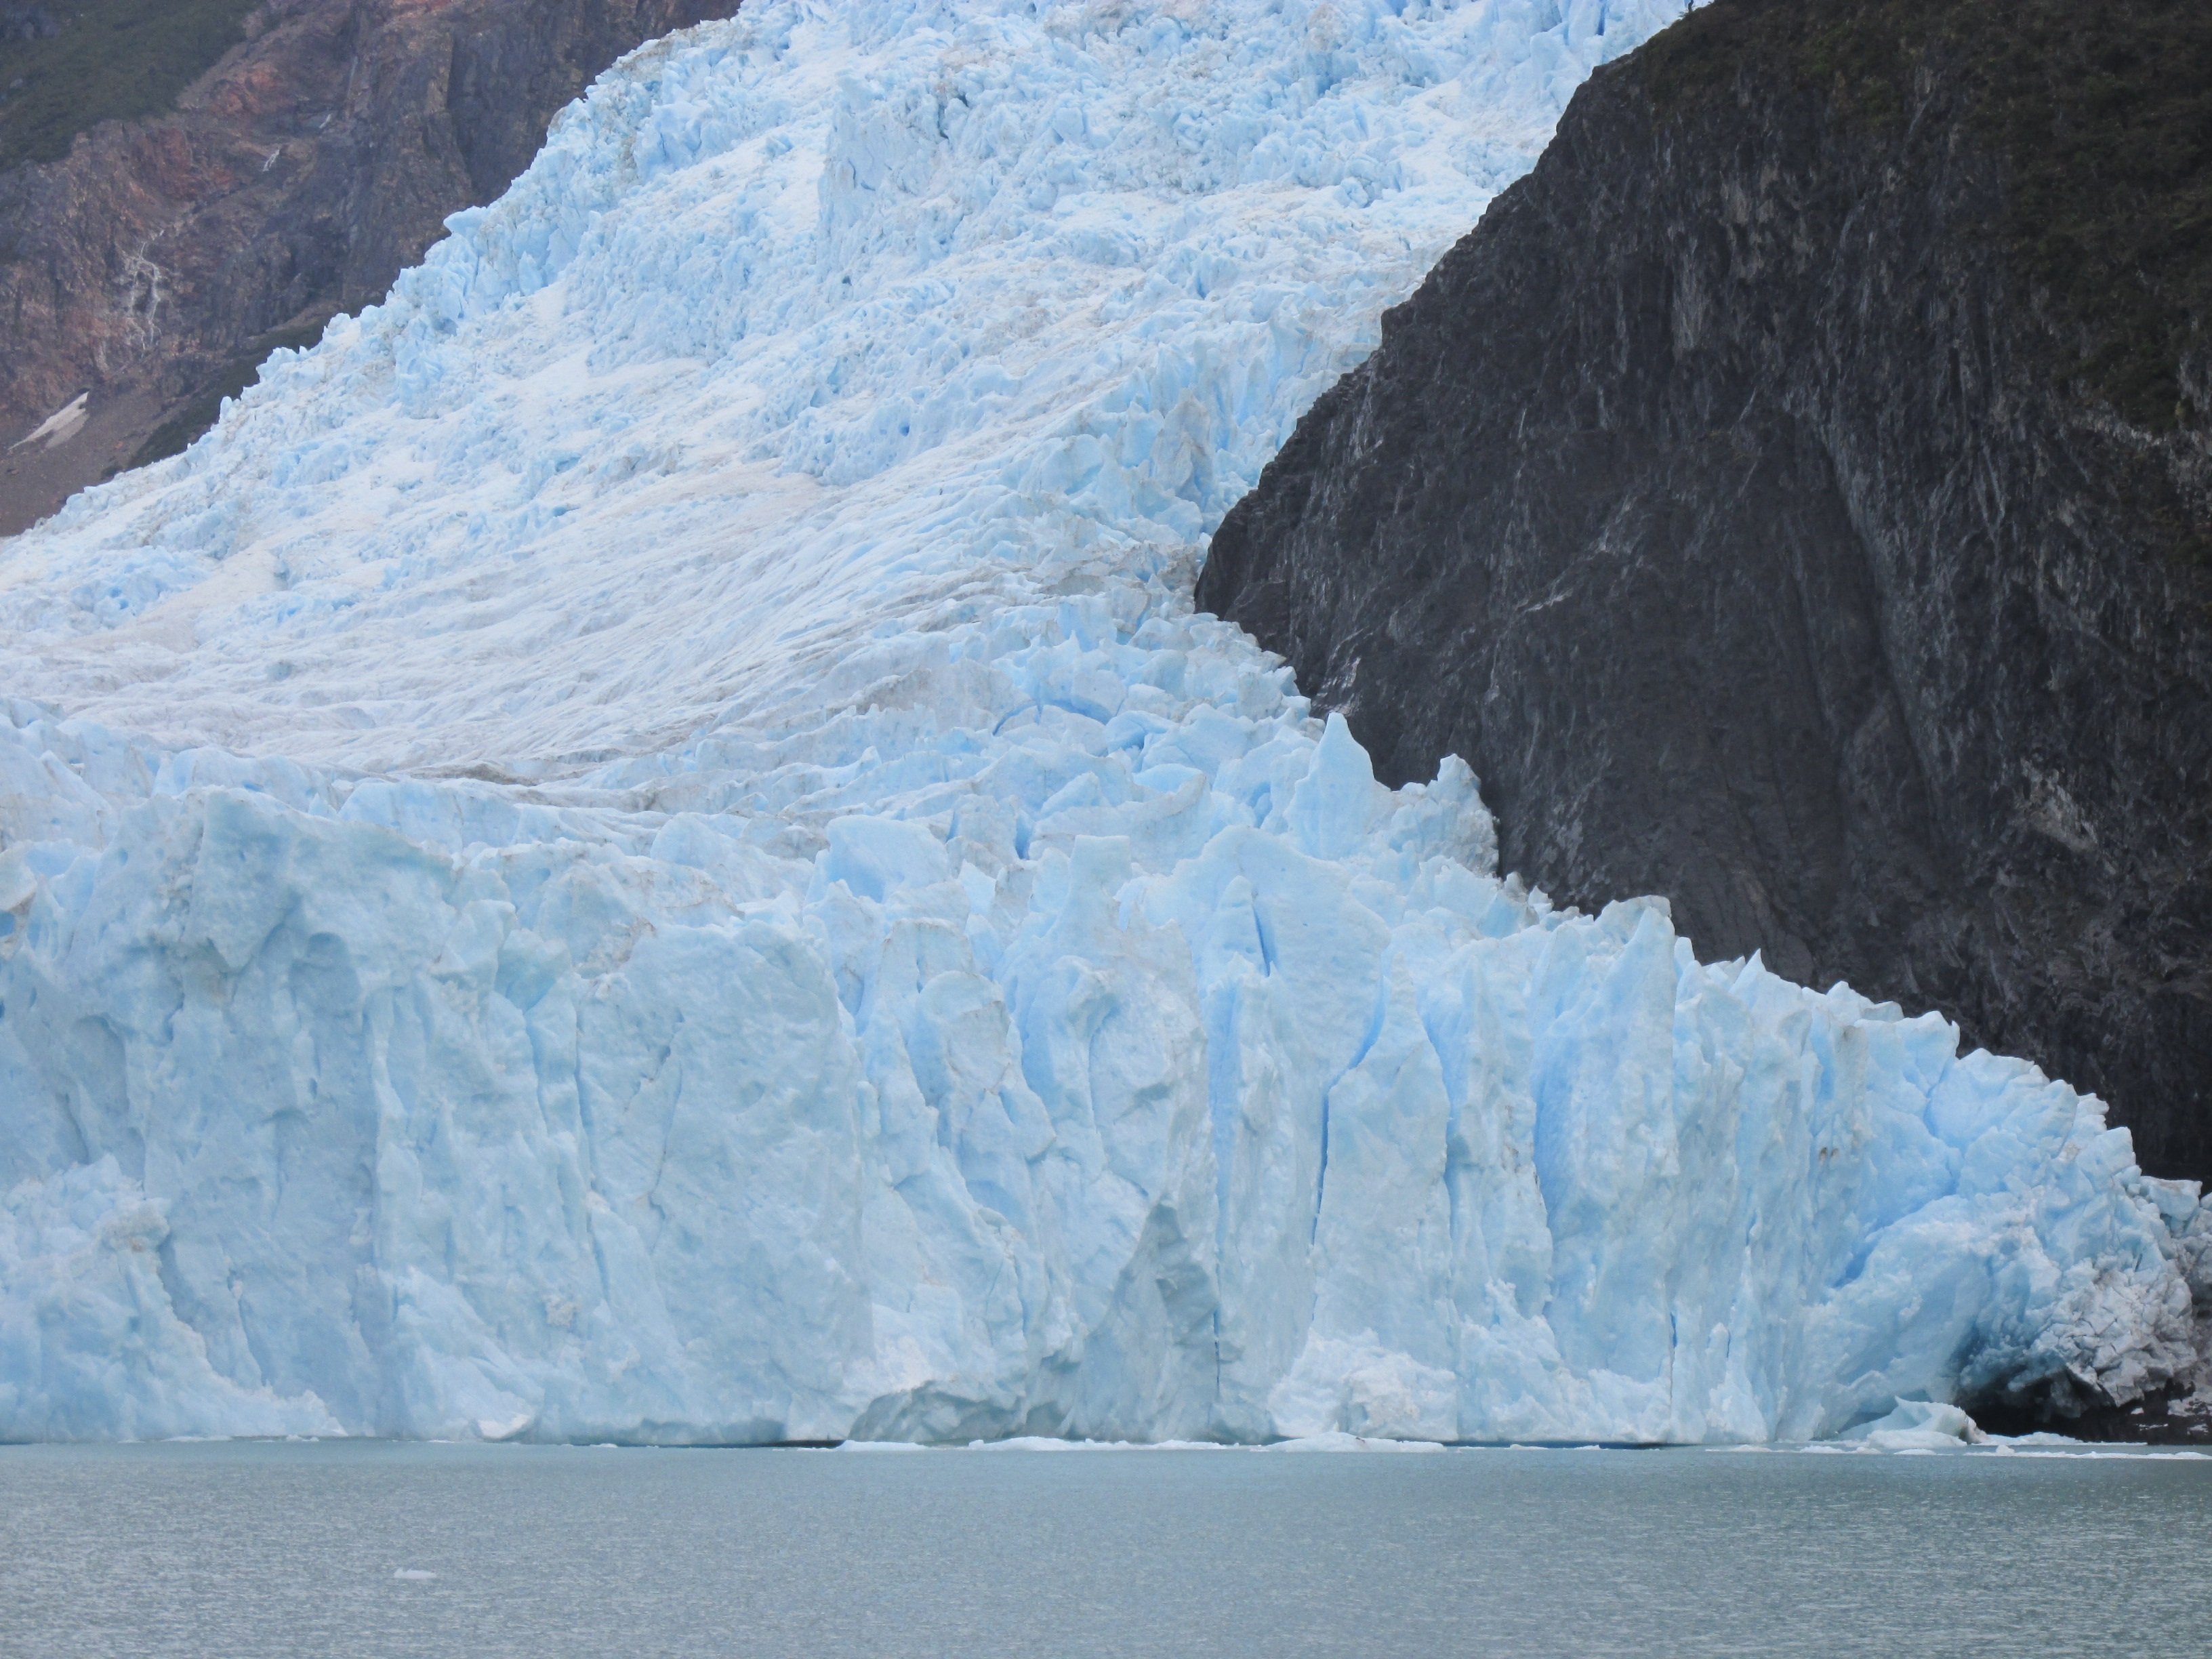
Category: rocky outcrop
[150,269]
[28,23]
[1795,498]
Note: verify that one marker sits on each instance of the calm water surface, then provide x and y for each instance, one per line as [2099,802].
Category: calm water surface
[264,1549]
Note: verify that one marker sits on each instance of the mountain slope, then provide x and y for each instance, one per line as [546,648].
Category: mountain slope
[150,268]
[1795,498]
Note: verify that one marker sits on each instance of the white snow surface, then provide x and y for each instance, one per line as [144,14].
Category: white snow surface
[643,844]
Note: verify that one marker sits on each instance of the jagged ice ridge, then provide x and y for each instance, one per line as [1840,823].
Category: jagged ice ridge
[643,844]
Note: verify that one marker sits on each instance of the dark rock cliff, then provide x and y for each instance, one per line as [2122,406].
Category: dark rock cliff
[154,265]
[1795,498]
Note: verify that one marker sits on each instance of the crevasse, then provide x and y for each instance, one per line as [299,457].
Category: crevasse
[644,845]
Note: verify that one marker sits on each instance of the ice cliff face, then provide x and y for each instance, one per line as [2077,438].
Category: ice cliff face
[1750,398]
[644,844]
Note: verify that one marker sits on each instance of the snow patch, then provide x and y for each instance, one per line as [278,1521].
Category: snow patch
[58,428]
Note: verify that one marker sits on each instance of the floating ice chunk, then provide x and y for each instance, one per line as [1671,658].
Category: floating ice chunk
[1335,1440]
[1919,1426]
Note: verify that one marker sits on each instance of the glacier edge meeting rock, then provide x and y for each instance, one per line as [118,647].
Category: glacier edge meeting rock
[644,845]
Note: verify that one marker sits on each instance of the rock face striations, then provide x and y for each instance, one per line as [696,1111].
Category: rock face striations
[1795,498]
[150,269]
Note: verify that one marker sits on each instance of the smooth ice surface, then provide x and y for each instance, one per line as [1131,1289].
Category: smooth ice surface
[643,845]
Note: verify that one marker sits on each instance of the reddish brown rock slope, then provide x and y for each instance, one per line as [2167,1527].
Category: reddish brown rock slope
[154,265]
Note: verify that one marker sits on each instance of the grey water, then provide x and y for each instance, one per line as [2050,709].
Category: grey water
[376,1549]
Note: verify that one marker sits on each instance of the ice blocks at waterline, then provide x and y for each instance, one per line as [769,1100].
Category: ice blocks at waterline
[643,845]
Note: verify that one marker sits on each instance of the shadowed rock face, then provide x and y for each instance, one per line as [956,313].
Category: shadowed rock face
[157,264]
[1746,506]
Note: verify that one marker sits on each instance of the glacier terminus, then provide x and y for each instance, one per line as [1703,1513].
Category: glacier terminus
[644,844]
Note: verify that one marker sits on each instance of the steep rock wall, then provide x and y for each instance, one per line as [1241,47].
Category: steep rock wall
[1747,500]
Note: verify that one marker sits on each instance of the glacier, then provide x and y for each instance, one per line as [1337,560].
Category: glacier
[644,845]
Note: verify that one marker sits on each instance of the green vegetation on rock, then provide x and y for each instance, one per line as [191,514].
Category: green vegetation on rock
[66,65]
[2102,113]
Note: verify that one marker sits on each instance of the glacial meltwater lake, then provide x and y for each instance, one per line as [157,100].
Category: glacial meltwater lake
[372,1549]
